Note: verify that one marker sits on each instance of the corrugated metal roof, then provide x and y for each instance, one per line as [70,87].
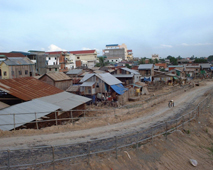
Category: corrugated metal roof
[66,101]
[40,107]
[123,75]
[11,61]
[130,70]
[108,78]
[57,76]
[13,54]
[27,88]
[175,66]
[75,71]
[145,66]
[73,88]
[205,65]
[86,77]
[87,84]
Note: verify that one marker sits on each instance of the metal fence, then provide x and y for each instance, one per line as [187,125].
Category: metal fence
[131,108]
[50,156]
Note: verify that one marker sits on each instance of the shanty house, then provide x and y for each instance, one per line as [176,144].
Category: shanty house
[105,84]
[74,72]
[15,67]
[34,101]
[59,80]
[146,71]
[126,76]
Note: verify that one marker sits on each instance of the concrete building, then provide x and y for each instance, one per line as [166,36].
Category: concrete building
[117,53]
[155,56]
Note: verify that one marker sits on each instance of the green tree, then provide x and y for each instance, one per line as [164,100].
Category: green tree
[200,60]
[173,60]
[101,62]
[156,61]
[179,57]
[128,66]
[210,58]
[142,61]
[150,61]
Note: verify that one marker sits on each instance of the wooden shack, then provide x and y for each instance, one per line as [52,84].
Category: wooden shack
[59,80]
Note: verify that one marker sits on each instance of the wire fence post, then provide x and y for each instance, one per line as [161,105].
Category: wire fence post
[152,134]
[182,122]
[189,118]
[198,110]
[8,159]
[14,122]
[71,117]
[116,147]
[88,150]
[36,120]
[137,140]
[56,121]
[166,130]
[53,153]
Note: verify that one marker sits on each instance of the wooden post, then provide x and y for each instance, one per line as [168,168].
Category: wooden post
[56,122]
[53,154]
[182,122]
[88,150]
[71,117]
[166,130]
[137,140]
[152,134]
[8,159]
[14,122]
[36,120]
[189,119]
[116,147]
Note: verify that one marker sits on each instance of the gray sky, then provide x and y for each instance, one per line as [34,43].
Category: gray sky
[164,27]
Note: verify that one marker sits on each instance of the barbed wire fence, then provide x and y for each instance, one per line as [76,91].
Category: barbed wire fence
[47,156]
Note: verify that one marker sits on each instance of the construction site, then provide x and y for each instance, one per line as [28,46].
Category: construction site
[142,133]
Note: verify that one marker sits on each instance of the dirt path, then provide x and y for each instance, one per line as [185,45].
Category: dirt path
[159,113]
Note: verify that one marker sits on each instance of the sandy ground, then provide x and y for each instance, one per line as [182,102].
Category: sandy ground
[85,130]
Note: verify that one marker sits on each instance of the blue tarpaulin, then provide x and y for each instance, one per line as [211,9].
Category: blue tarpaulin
[119,88]
[147,79]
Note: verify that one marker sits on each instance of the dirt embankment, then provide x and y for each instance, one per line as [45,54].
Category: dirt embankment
[194,142]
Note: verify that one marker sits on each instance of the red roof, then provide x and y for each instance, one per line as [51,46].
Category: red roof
[129,50]
[73,52]
[83,51]
[27,88]
[13,54]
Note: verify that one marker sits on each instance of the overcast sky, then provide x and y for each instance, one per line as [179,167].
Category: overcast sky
[164,27]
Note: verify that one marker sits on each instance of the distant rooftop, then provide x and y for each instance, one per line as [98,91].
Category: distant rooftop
[111,45]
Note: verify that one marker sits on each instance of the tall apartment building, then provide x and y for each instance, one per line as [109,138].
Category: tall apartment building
[117,53]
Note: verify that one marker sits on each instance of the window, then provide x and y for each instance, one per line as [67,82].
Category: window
[55,58]
[5,73]
[53,63]
[20,72]
[12,73]
[49,58]
[55,69]
[49,69]
[78,57]
[26,72]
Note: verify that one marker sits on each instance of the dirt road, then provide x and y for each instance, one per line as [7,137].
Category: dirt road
[159,113]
